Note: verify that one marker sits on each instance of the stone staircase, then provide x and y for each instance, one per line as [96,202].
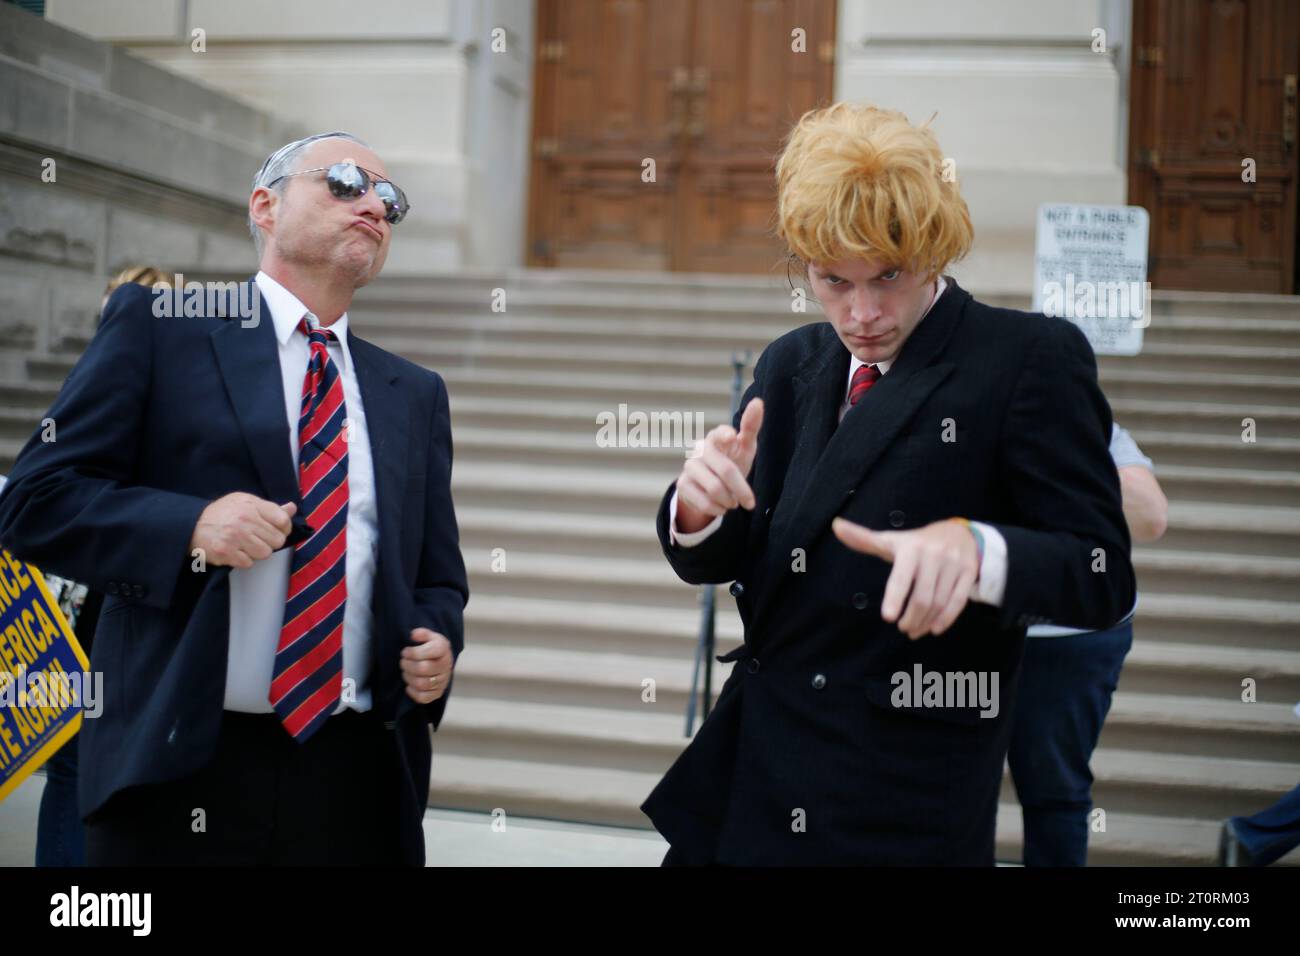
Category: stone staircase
[549,718]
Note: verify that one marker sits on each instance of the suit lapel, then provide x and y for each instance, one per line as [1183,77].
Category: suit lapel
[818,389]
[249,361]
[388,423]
[851,450]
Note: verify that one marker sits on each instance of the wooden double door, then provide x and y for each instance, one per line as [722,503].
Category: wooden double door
[1212,141]
[657,124]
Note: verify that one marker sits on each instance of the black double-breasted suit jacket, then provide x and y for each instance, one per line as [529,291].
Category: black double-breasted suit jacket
[808,756]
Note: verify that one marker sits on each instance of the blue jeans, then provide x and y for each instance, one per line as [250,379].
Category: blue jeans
[1272,833]
[60,834]
[1064,695]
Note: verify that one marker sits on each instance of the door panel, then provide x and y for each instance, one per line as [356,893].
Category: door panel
[754,87]
[1213,85]
[705,88]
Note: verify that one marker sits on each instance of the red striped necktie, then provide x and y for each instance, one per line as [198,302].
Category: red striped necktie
[863,379]
[308,677]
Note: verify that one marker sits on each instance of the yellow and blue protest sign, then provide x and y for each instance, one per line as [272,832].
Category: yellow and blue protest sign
[42,669]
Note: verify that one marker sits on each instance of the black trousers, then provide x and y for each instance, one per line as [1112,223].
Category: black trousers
[264,800]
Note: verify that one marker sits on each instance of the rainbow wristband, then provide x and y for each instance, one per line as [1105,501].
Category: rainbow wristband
[979,539]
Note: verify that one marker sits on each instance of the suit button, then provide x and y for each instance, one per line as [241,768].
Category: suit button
[389,724]
[819,681]
[753,665]
[112,587]
[860,601]
[138,590]
[767,512]
[736,589]
[896,518]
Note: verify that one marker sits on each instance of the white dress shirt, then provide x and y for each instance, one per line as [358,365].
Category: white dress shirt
[990,584]
[257,595]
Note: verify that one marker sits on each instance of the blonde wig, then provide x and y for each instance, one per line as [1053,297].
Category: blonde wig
[858,180]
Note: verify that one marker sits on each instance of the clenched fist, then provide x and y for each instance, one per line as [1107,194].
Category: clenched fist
[426,665]
[713,479]
[240,528]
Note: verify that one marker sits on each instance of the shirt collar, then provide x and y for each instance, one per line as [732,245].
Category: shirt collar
[855,363]
[287,310]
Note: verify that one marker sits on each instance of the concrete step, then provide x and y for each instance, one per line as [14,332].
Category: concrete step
[1235,486]
[1201,670]
[1226,308]
[1121,381]
[1236,529]
[670,634]
[610,353]
[1176,785]
[539,788]
[1166,571]
[588,677]
[1133,839]
[1193,359]
[18,423]
[644,585]
[595,491]
[1221,621]
[1213,727]
[1225,330]
[1147,416]
[21,394]
[1220,451]
[573,535]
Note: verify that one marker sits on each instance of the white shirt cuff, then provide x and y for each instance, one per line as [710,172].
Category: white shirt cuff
[991,585]
[682,539]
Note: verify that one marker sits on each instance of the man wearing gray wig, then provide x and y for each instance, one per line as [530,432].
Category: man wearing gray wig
[267,507]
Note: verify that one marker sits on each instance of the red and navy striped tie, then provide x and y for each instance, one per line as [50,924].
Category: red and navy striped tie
[863,379]
[308,676]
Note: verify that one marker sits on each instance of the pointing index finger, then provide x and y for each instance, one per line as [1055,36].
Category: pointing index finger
[751,421]
[862,539]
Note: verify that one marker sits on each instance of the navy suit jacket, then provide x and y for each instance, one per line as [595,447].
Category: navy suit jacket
[158,418]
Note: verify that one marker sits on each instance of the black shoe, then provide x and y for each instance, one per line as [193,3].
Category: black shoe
[1231,850]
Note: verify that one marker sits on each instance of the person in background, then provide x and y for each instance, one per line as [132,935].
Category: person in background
[1067,678]
[1265,837]
[60,834]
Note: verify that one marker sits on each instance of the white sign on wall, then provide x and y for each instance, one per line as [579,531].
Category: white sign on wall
[1090,266]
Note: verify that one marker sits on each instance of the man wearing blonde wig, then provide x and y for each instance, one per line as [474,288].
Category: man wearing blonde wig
[908,486]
